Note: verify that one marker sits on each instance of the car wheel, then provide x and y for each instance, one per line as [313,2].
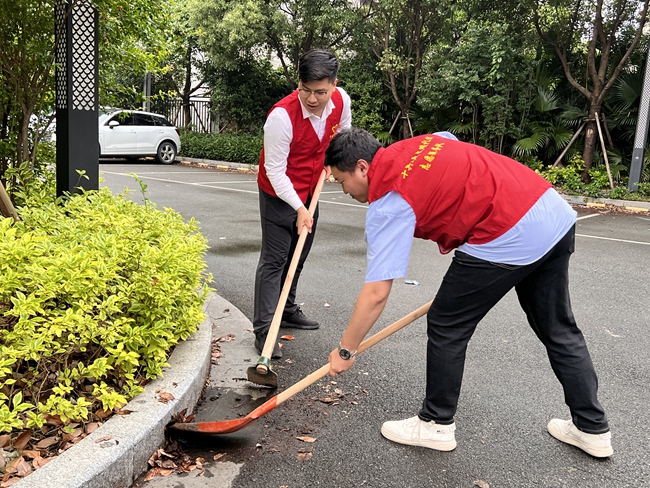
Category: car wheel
[166,153]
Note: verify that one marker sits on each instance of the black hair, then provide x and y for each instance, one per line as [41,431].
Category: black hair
[349,146]
[317,64]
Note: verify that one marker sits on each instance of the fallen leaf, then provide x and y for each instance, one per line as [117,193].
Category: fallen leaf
[5,440]
[304,456]
[481,484]
[287,337]
[289,361]
[123,411]
[9,482]
[228,338]
[306,439]
[47,442]
[152,473]
[92,427]
[23,439]
[55,420]
[23,468]
[165,397]
[105,438]
[218,456]
[326,400]
[30,453]
[39,462]
[102,414]
[73,435]
[19,467]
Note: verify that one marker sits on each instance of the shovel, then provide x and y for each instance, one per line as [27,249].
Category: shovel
[229,426]
[261,373]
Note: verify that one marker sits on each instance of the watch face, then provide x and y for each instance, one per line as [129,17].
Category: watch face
[344,353]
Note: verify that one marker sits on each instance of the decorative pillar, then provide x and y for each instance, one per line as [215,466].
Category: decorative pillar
[641,135]
[77,96]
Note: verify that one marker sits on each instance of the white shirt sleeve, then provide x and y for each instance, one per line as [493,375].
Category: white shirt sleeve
[346,115]
[278,133]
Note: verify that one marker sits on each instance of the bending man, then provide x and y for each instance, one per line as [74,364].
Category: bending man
[509,228]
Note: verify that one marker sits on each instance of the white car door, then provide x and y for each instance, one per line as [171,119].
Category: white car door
[120,139]
[149,133]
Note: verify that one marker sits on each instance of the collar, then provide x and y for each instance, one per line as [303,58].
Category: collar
[326,111]
[371,172]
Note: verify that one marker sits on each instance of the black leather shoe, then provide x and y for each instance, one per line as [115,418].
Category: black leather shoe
[260,339]
[298,320]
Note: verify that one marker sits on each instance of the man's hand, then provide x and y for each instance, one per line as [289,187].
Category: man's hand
[338,364]
[303,220]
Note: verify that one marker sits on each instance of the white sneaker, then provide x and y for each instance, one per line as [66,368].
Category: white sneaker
[416,432]
[598,445]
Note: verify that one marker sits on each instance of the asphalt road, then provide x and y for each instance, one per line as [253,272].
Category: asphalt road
[509,391]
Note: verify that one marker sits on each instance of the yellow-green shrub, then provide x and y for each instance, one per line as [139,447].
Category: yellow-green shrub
[94,293]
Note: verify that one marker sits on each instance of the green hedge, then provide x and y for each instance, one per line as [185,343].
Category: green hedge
[234,148]
[94,293]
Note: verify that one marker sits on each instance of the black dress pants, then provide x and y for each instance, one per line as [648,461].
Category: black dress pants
[470,288]
[279,239]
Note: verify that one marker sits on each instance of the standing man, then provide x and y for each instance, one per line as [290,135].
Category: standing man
[509,228]
[297,131]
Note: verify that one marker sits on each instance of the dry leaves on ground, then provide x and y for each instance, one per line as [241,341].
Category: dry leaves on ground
[171,459]
[164,397]
[306,438]
[26,451]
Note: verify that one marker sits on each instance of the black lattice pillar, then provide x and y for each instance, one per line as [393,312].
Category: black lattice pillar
[77,144]
[638,152]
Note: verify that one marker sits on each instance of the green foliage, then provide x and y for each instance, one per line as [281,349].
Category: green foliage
[237,148]
[484,80]
[243,95]
[644,189]
[568,178]
[230,30]
[371,104]
[94,292]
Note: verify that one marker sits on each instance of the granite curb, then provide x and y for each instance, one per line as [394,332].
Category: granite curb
[117,452]
[630,205]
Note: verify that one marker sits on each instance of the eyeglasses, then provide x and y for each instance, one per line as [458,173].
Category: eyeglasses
[319,94]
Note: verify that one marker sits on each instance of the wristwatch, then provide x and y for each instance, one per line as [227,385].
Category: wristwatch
[346,353]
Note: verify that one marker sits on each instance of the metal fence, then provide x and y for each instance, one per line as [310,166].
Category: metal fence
[202,118]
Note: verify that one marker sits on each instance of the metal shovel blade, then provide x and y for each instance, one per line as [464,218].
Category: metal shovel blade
[269,378]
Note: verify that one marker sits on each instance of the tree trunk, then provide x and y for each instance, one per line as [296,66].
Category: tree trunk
[22,144]
[591,137]
[187,89]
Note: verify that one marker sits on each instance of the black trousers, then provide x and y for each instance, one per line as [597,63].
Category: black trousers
[279,239]
[470,288]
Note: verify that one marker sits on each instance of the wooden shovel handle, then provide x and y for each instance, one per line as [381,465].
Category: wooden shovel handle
[277,316]
[371,341]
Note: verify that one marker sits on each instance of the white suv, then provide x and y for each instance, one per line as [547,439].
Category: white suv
[134,134]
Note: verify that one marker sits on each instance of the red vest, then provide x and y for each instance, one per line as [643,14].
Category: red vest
[306,152]
[459,192]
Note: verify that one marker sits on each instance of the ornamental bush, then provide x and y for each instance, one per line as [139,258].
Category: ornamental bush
[95,291]
[235,148]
